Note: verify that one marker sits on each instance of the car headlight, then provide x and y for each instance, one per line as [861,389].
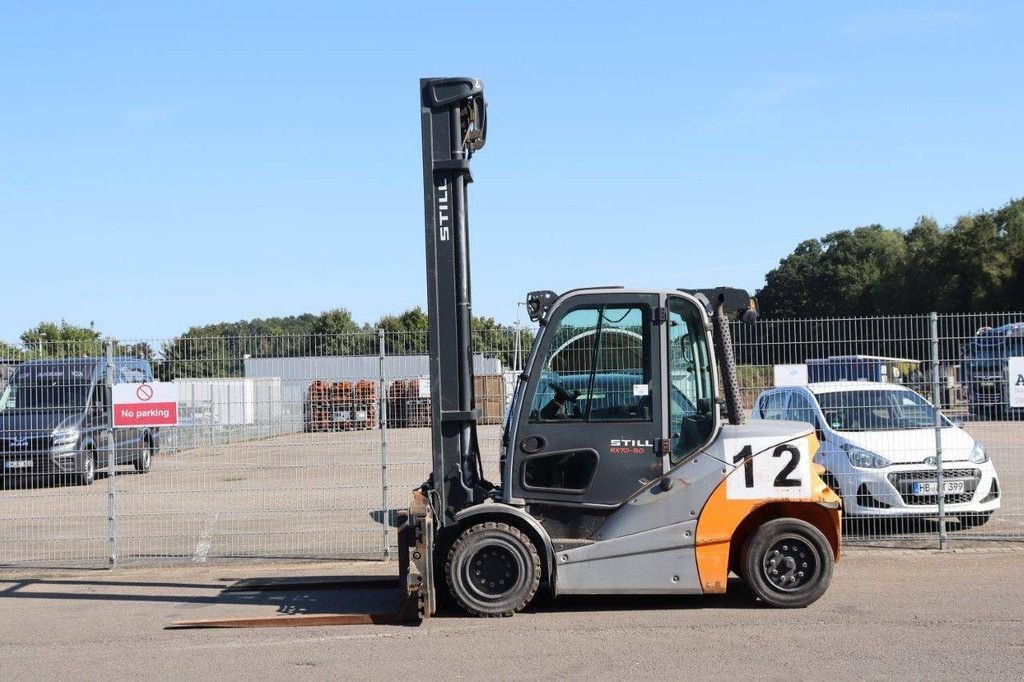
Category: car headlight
[978,454]
[865,459]
[65,436]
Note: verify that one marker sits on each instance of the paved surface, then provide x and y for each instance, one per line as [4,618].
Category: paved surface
[304,495]
[887,615]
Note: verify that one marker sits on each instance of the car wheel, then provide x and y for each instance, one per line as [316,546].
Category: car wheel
[788,563]
[87,468]
[145,460]
[974,520]
[493,569]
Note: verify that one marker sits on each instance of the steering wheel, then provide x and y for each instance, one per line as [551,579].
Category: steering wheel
[562,395]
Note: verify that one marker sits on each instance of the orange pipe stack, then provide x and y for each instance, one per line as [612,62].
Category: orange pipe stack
[417,410]
[398,392]
[318,414]
[341,406]
[365,407]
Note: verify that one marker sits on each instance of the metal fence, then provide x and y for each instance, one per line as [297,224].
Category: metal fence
[908,474]
[304,447]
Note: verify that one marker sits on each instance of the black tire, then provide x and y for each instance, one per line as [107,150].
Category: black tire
[492,570]
[86,468]
[968,521]
[788,563]
[144,461]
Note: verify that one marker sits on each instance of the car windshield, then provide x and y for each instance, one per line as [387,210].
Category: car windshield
[877,410]
[44,397]
[991,349]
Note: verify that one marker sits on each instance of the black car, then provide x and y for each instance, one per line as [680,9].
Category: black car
[55,416]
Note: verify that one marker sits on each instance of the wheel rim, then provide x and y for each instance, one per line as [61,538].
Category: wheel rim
[790,564]
[494,571]
[90,469]
[147,456]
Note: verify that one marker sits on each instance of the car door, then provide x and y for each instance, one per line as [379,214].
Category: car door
[592,427]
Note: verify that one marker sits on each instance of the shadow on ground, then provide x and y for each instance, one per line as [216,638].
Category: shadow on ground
[228,598]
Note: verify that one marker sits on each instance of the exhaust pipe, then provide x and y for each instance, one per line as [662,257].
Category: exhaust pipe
[723,348]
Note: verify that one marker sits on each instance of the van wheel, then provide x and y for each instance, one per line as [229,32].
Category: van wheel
[87,468]
[788,563]
[493,569]
[145,460]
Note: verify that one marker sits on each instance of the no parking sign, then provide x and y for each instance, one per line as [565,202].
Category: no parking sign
[147,404]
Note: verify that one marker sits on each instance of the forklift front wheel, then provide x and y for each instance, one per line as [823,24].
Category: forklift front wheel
[788,563]
[493,569]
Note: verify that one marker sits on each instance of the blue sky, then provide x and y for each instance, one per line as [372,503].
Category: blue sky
[170,164]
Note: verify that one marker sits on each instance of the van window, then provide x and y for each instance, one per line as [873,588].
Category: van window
[772,404]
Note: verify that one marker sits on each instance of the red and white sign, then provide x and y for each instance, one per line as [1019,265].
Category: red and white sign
[145,405]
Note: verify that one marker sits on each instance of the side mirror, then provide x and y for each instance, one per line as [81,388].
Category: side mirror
[958,422]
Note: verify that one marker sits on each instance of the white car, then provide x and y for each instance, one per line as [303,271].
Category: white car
[878,449]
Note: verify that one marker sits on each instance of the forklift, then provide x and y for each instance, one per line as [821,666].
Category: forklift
[620,474]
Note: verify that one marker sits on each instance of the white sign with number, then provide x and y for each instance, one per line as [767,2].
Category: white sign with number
[1016,379]
[768,470]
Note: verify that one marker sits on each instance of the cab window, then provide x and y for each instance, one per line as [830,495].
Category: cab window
[597,367]
[691,393]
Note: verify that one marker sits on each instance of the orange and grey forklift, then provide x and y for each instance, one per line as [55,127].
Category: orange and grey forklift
[619,472]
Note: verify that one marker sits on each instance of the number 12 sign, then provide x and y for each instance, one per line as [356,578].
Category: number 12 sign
[768,470]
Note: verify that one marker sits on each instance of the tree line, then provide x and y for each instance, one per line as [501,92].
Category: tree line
[220,349]
[974,265]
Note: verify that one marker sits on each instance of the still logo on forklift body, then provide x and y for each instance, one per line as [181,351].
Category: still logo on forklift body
[629,446]
[443,215]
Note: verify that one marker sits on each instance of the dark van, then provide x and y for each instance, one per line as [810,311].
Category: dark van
[54,416]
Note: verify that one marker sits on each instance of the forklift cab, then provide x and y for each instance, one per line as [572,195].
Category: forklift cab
[619,389]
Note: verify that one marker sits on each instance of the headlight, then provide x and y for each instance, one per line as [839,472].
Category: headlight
[859,457]
[65,436]
[978,454]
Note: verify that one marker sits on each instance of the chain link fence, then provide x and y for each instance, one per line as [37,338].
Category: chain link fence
[304,447]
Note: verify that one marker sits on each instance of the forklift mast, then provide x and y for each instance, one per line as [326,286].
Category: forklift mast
[454,125]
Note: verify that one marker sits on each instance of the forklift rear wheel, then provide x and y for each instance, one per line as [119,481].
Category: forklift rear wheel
[788,563]
[493,569]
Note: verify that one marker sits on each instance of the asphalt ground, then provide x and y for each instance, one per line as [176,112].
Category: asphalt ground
[887,615]
[317,495]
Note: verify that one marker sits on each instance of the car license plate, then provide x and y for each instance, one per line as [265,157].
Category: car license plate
[932,487]
[19,464]
[342,416]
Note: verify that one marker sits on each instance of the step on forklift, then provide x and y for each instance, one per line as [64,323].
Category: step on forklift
[620,474]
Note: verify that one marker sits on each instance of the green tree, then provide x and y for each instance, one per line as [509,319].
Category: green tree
[9,352]
[978,264]
[62,340]
[406,333]
[790,288]
[925,282]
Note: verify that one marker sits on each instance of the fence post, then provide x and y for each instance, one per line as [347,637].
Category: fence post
[111,457]
[940,494]
[382,421]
